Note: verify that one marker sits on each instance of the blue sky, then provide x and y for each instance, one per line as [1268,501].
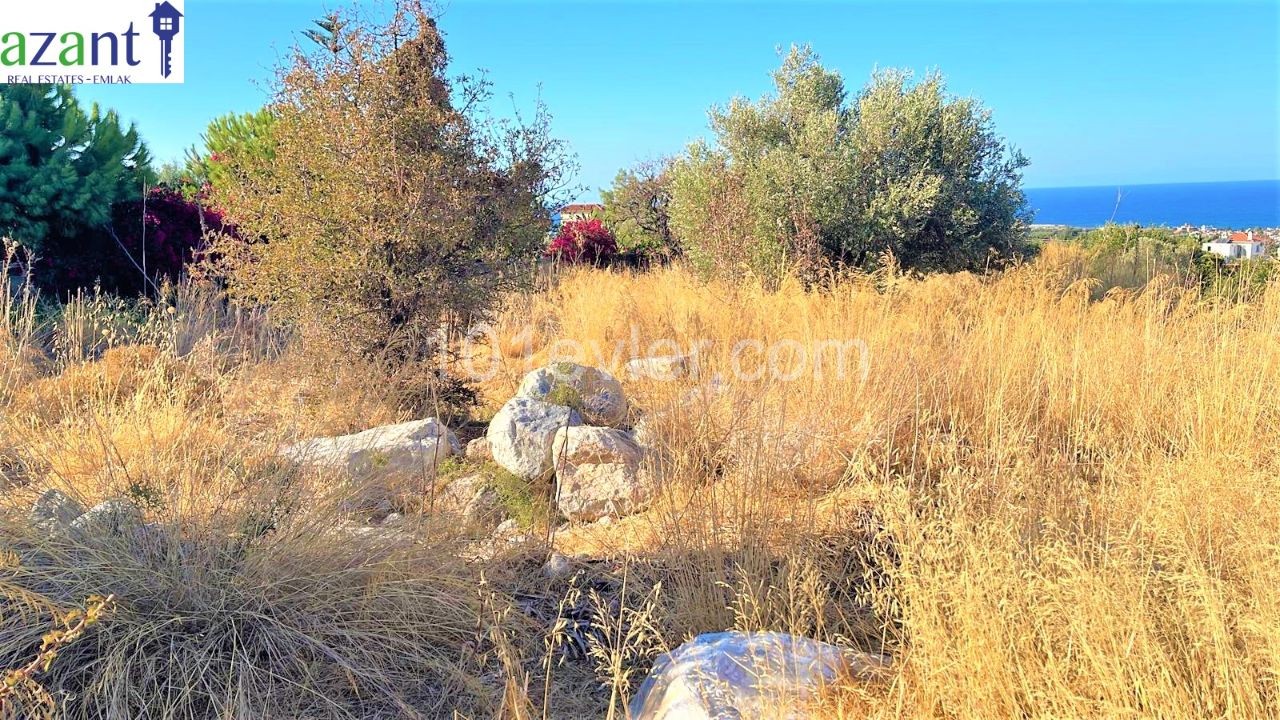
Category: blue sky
[1095,93]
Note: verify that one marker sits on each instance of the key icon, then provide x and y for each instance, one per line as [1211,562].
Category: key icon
[165,23]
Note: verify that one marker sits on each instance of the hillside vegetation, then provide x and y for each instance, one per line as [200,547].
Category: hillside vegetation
[1004,476]
[1040,503]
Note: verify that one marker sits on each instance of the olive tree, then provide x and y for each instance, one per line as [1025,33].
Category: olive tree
[637,208]
[808,177]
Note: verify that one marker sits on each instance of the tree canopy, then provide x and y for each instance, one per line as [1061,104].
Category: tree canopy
[250,135]
[62,168]
[389,198]
[808,177]
[637,208]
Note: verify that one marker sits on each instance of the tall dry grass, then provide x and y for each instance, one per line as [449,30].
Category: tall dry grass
[249,592]
[1059,507]
[1041,503]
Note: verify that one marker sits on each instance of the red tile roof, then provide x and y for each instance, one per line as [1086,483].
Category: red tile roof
[581,208]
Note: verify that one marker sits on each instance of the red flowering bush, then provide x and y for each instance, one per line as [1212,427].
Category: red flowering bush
[160,235]
[583,241]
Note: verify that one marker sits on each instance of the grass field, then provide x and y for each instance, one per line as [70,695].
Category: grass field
[1040,503]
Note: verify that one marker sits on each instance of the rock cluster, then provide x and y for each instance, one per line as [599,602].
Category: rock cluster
[598,472]
[521,434]
[594,393]
[566,421]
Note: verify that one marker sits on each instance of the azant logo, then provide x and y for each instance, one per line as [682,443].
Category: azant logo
[88,41]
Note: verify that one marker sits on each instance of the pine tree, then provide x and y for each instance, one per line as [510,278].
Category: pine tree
[61,169]
[329,34]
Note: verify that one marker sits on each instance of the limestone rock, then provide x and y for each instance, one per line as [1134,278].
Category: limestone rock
[596,394]
[557,566]
[54,511]
[660,367]
[416,447]
[747,675]
[479,450]
[112,517]
[598,473]
[474,499]
[521,434]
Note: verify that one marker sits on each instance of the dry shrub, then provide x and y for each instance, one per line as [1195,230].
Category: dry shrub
[392,198]
[248,592]
[303,622]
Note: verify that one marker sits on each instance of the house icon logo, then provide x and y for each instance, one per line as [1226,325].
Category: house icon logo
[166,22]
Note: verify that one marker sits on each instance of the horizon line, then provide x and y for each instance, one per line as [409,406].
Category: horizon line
[1121,186]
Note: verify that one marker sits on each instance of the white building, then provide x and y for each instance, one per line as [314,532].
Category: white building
[580,211]
[1238,246]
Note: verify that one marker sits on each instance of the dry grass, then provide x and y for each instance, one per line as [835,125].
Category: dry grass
[1074,497]
[1043,504]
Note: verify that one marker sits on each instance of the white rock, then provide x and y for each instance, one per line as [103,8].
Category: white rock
[598,473]
[557,566]
[112,517]
[55,511]
[416,447]
[473,498]
[747,675]
[520,435]
[660,367]
[478,449]
[594,393]
[460,491]
[484,508]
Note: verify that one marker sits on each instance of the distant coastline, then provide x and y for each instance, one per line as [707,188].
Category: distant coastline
[1236,205]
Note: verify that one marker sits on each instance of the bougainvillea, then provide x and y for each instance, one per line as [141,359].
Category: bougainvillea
[583,241]
[148,241]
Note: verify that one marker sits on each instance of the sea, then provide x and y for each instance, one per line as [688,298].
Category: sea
[1237,205]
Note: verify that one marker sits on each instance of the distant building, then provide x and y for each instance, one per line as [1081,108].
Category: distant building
[1238,246]
[580,211]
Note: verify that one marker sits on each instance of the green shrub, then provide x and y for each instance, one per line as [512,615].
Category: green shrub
[806,179]
[529,503]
